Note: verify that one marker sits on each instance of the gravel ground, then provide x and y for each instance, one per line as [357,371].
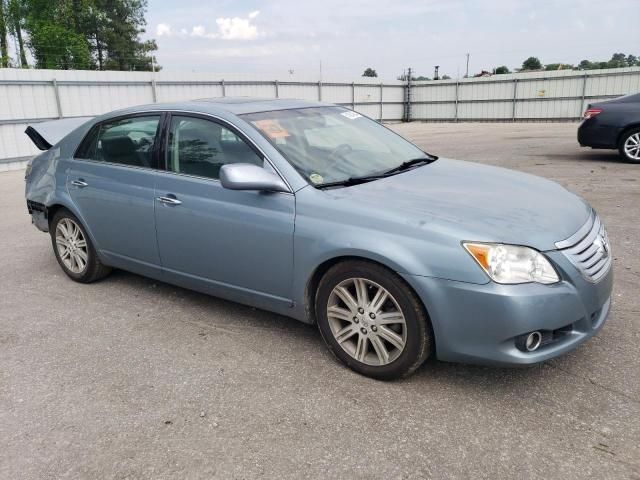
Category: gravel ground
[131,378]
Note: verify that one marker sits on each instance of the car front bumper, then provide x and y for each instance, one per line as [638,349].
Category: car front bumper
[482,324]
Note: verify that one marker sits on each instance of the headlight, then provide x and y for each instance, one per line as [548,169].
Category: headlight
[512,264]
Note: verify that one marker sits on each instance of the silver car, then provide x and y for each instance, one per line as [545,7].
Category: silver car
[319,213]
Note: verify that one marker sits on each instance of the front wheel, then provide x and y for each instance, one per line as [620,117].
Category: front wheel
[629,145]
[73,249]
[372,321]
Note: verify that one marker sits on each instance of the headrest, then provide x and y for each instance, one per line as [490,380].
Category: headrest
[118,146]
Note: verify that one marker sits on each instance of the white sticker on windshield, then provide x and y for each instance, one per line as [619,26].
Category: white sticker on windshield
[316,178]
[351,115]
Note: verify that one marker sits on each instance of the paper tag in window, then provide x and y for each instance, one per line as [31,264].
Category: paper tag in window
[271,128]
[316,178]
[351,115]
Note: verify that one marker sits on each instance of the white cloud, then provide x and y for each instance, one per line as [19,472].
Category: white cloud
[235,28]
[198,31]
[238,28]
[164,29]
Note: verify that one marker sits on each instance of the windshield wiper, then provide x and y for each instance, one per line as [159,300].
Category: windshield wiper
[367,178]
[351,181]
[410,163]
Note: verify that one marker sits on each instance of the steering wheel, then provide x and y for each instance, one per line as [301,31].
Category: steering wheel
[337,153]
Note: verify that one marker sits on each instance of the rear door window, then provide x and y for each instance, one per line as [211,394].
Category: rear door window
[125,141]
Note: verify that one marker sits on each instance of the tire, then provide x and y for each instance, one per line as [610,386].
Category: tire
[80,260]
[629,145]
[356,325]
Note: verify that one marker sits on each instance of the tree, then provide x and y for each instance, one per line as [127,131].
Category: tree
[4,48]
[559,66]
[16,14]
[53,39]
[370,72]
[445,77]
[501,70]
[124,49]
[618,60]
[54,46]
[79,34]
[586,65]
[531,63]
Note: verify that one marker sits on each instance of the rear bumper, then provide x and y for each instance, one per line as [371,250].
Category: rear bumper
[39,215]
[481,324]
[593,134]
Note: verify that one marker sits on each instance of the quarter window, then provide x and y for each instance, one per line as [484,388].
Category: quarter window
[201,147]
[126,141]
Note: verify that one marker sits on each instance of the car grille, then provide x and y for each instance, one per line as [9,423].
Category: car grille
[588,249]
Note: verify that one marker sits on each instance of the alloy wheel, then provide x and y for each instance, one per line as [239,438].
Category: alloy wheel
[71,245]
[366,321]
[632,146]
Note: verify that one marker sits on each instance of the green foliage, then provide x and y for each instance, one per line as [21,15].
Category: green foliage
[404,77]
[501,70]
[370,72]
[617,60]
[80,34]
[531,63]
[120,47]
[558,66]
[55,46]
[16,13]
[4,50]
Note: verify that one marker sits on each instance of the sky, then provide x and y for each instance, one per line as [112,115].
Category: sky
[338,39]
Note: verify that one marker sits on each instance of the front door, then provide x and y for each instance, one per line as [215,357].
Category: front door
[236,244]
[111,181]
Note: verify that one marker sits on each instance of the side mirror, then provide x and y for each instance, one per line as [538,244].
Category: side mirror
[246,176]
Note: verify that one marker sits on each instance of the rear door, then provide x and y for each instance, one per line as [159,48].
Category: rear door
[237,244]
[111,181]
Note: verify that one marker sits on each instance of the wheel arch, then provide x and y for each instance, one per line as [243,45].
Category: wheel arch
[323,268]
[319,272]
[626,129]
[58,205]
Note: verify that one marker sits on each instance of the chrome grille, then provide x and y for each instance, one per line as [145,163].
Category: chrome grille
[588,249]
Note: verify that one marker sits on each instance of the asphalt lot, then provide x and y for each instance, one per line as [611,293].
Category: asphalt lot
[130,378]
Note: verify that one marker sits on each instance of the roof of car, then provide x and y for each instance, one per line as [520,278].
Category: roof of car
[233,105]
[239,105]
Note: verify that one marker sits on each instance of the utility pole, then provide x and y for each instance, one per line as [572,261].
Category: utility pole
[407,113]
[467,74]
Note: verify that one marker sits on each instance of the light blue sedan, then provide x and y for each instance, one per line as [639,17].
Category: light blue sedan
[316,212]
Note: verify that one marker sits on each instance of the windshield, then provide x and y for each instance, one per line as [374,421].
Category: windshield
[333,144]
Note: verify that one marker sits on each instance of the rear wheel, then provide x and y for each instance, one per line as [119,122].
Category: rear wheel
[372,321]
[73,249]
[629,145]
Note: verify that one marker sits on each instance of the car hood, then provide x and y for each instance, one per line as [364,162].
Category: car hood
[472,202]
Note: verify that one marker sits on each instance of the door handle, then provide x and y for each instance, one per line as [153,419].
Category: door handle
[169,200]
[79,183]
